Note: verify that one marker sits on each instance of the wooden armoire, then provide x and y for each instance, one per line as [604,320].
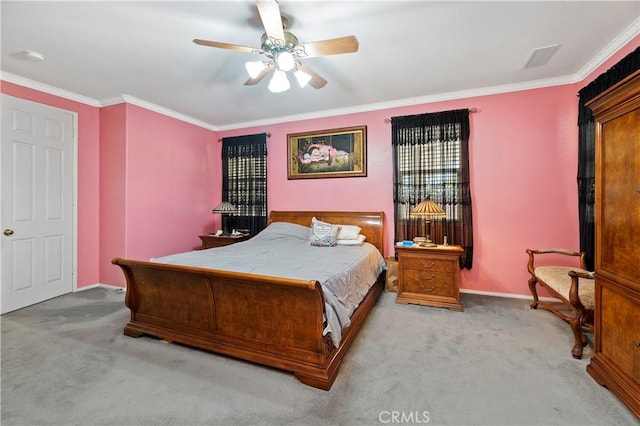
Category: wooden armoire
[616,360]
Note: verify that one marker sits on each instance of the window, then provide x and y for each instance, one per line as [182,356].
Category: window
[244,180]
[431,160]
[430,170]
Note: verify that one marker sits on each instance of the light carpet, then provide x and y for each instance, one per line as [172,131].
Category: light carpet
[66,361]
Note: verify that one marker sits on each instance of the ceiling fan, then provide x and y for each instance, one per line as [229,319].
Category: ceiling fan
[283,52]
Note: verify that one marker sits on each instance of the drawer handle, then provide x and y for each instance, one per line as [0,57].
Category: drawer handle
[427,289]
[637,344]
[428,278]
[431,265]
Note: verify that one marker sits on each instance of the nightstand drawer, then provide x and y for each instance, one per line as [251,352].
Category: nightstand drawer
[428,264]
[427,282]
[429,276]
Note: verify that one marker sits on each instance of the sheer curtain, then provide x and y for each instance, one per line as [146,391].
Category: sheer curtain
[244,180]
[586,149]
[431,160]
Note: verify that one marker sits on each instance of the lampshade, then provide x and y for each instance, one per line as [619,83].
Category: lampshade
[285,60]
[224,207]
[428,209]
[254,68]
[279,82]
[302,77]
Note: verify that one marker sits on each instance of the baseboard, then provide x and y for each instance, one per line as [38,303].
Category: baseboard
[507,295]
[100,285]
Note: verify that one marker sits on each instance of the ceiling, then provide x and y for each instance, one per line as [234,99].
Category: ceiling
[410,52]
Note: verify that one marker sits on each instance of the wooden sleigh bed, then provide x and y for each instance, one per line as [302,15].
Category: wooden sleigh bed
[268,320]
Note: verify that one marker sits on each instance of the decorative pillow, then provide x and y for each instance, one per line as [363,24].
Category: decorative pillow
[323,234]
[349,232]
[356,242]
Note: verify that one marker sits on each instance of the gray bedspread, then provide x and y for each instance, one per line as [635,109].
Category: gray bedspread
[345,272]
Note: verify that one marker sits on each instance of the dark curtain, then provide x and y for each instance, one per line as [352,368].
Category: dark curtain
[431,160]
[586,149]
[244,180]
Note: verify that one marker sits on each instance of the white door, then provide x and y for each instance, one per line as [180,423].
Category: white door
[37,168]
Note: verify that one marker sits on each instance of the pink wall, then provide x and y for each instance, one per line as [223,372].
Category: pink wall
[87,196]
[523,167]
[170,182]
[157,182]
[113,180]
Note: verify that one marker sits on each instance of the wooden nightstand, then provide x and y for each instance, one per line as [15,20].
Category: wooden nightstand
[430,276]
[211,241]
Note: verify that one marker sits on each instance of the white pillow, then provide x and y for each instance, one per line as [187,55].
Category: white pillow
[286,228]
[349,232]
[323,234]
[356,242]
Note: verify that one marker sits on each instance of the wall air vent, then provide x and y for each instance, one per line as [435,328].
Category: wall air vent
[541,56]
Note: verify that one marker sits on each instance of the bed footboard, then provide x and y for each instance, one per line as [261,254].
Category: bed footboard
[268,320]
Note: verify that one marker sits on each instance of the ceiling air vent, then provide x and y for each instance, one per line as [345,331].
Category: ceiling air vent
[541,56]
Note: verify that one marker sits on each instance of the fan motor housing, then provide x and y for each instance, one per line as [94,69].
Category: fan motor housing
[290,42]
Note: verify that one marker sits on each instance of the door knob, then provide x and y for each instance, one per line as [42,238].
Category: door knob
[8,232]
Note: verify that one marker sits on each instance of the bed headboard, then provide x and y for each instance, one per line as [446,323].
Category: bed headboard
[371,223]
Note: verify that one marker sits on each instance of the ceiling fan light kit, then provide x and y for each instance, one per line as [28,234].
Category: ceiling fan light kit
[285,61]
[279,82]
[254,68]
[283,51]
[302,77]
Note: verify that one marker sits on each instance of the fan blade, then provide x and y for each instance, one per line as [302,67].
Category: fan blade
[226,46]
[316,81]
[259,78]
[334,46]
[271,20]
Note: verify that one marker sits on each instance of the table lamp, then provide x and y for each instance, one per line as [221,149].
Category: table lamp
[225,209]
[428,210]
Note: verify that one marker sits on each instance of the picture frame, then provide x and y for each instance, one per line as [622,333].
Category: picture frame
[330,153]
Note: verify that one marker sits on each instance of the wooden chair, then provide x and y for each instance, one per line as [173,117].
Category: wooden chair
[573,286]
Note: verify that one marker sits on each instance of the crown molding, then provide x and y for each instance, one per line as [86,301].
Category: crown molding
[56,91]
[157,108]
[51,90]
[399,103]
[616,44]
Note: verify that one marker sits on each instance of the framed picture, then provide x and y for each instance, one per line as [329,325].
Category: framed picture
[327,153]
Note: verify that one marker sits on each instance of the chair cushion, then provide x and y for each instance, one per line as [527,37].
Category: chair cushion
[557,277]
